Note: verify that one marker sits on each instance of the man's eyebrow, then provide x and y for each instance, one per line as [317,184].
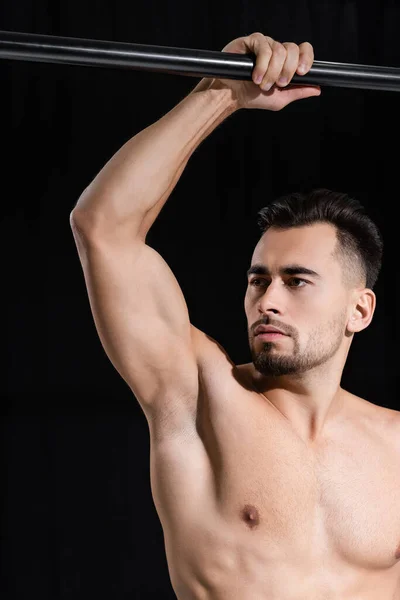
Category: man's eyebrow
[294,269]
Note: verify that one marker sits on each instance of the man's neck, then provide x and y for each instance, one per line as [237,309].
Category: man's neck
[310,402]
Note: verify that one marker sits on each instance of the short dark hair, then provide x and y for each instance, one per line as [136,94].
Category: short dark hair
[360,244]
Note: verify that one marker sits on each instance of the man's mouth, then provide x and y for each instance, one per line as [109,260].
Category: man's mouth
[270,335]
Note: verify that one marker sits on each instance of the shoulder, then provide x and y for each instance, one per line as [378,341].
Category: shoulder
[374,412]
[384,421]
[381,423]
[388,417]
[395,427]
[393,430]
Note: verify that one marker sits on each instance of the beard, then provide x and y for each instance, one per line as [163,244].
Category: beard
[322,344]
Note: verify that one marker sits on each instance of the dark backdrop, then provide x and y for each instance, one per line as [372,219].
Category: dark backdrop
[78,520]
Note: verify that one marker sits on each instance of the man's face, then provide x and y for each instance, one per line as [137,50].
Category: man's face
[310,307]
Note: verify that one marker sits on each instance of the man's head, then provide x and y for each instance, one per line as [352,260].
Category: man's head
[312,275]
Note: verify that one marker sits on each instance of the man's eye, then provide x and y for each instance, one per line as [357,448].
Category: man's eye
[254,282]
[297,280]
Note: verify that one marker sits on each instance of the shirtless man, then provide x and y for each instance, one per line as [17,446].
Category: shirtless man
[271,482]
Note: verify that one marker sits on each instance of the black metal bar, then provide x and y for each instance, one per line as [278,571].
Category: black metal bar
[182,61]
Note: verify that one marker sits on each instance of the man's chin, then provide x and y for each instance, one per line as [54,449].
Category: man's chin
[271,349]
[275,368]
[280,343]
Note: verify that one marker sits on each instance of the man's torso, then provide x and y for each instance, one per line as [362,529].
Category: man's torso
[252,512]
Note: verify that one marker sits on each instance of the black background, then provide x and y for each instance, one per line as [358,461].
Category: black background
[78,520]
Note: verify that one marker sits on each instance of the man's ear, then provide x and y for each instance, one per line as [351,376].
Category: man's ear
[363,311]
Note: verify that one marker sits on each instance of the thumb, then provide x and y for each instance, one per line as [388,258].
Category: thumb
[290,94]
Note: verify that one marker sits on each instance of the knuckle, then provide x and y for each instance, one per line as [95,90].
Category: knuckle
[291,46]
[262,44]
[279,49]
[266,49]
[258,36]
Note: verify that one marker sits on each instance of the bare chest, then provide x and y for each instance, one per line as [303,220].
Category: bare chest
[339,501]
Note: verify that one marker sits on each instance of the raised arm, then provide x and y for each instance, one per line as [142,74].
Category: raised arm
[129,192]
[138,308]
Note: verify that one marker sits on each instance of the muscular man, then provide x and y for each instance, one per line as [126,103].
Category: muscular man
[270,480]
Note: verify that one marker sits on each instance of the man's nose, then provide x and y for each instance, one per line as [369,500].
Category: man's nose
[272,300]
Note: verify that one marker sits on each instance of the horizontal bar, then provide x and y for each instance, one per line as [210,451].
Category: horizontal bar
[183,61]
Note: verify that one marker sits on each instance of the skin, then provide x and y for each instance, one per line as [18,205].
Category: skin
[275,65]
[320,315]
[270,481]
[300,373]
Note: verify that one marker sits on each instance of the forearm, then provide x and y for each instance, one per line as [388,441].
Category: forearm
[136,182]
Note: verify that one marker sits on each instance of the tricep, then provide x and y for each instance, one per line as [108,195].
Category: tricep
[142,320]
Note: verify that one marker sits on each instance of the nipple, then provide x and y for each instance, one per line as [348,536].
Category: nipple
[397,555]
[250,516]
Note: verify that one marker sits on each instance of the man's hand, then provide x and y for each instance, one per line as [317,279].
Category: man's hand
[276,63]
